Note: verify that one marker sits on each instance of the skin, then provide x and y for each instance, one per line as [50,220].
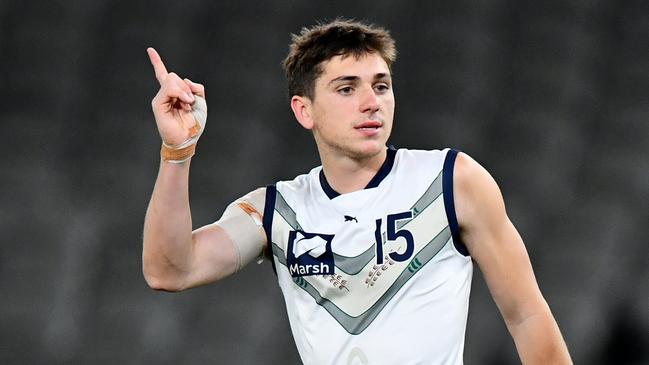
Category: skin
[351,93]
[499,251]
[174,257]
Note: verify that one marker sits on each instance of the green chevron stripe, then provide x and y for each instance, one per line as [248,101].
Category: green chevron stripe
[352,265]
[427,198]
[285,210]
[356,325]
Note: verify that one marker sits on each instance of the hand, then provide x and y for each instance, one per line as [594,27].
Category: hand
[176,104]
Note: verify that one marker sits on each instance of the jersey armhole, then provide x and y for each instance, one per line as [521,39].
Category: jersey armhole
[449,202]
[269,211]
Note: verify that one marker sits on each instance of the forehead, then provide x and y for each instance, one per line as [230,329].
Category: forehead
[365,66]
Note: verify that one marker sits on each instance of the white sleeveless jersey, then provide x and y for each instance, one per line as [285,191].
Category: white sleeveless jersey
[377,276]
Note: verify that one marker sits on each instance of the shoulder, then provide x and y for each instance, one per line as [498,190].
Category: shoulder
[254,201]
[420,153]
[411,160]
[477,196]
[255,195]
[469,175]
[300,183]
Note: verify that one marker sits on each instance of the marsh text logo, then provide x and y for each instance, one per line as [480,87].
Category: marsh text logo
[309,254]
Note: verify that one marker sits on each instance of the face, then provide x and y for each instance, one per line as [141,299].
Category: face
[352,110]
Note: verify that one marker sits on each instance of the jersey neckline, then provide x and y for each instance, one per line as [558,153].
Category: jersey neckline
[383,172]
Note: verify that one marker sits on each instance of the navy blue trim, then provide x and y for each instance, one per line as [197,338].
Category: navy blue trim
[269,211]
[383,172]
[449,202]
[331,193]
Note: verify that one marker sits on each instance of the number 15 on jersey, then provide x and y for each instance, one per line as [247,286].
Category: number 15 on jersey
[393,233]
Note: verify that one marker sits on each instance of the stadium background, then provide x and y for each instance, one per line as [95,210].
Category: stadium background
[550,96]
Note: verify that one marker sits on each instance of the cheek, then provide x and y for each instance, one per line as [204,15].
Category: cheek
[333,111]
[388,107]
[320,116]
[389,101]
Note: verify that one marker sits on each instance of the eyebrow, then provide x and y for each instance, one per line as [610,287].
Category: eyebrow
[378,76]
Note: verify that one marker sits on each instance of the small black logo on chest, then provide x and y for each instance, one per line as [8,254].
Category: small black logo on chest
[349,218]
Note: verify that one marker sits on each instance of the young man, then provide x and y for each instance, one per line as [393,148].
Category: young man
[373,250]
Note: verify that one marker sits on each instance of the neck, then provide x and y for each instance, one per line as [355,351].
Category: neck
[346,174]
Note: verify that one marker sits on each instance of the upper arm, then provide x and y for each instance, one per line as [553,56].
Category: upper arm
[494,242]
[225,246]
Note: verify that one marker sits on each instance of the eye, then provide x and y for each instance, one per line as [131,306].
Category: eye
[347,90]
[381,88]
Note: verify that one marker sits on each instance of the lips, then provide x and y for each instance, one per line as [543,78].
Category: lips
[369,124]
[369,128]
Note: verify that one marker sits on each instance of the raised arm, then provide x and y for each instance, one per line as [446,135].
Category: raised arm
[498,250]
[175,258]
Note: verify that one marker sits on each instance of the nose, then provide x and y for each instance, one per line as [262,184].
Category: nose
[369,101]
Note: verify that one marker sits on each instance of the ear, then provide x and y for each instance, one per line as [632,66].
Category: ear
[301,106]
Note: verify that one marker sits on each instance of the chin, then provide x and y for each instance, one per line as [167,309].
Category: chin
[355,149]
[367,151]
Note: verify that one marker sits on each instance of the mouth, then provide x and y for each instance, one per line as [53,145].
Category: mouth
[369,128]
[369,125]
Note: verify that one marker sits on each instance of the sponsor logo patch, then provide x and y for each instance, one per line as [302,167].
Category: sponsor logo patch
[309,254]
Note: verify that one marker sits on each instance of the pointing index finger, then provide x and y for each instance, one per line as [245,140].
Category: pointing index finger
[158,65]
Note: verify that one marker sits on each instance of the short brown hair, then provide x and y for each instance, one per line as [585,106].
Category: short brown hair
[324,41]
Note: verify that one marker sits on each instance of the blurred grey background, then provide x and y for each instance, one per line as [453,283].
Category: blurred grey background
[550,96]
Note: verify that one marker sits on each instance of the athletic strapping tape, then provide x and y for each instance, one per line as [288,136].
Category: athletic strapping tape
[184,151]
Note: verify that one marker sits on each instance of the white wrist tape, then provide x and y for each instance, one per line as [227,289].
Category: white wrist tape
[184,151]
[199,111]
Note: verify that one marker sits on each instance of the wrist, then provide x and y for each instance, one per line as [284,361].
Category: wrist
[184,151]
[177,154]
